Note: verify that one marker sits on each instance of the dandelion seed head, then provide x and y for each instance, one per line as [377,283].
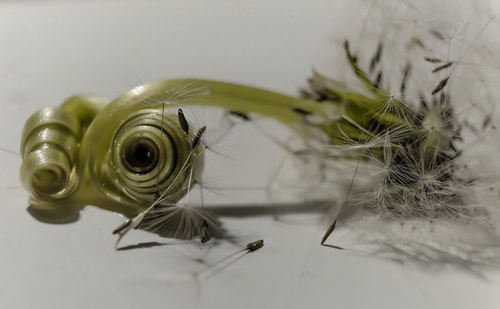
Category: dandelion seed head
[424,77]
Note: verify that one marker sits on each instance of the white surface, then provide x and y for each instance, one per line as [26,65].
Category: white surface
[55,49]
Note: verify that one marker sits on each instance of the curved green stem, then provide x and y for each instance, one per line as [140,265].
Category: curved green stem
[85,160]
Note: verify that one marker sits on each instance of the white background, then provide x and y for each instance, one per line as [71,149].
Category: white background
[51,50]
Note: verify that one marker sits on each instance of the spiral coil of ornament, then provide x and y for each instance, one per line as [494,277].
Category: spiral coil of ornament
[49,150]
[148,152]
[119,157]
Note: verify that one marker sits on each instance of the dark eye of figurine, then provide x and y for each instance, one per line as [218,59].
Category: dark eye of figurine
[141,156]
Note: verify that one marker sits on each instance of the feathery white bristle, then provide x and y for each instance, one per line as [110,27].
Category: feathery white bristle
[182,222]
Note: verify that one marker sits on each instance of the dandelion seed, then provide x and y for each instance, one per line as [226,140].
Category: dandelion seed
[128,225]
[182,121]
[240,115]
[219,265]
[328,232]
[437,35]
[378,80]
[198,136]
[417,42]
[404,80]
[204,232]
[301,111]
[255,245]
[440,86]
[486,122]
[433,60]
[442,67]
[376,57]
[356,69]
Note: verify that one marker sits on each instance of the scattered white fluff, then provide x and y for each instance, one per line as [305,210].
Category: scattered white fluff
[430,207]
